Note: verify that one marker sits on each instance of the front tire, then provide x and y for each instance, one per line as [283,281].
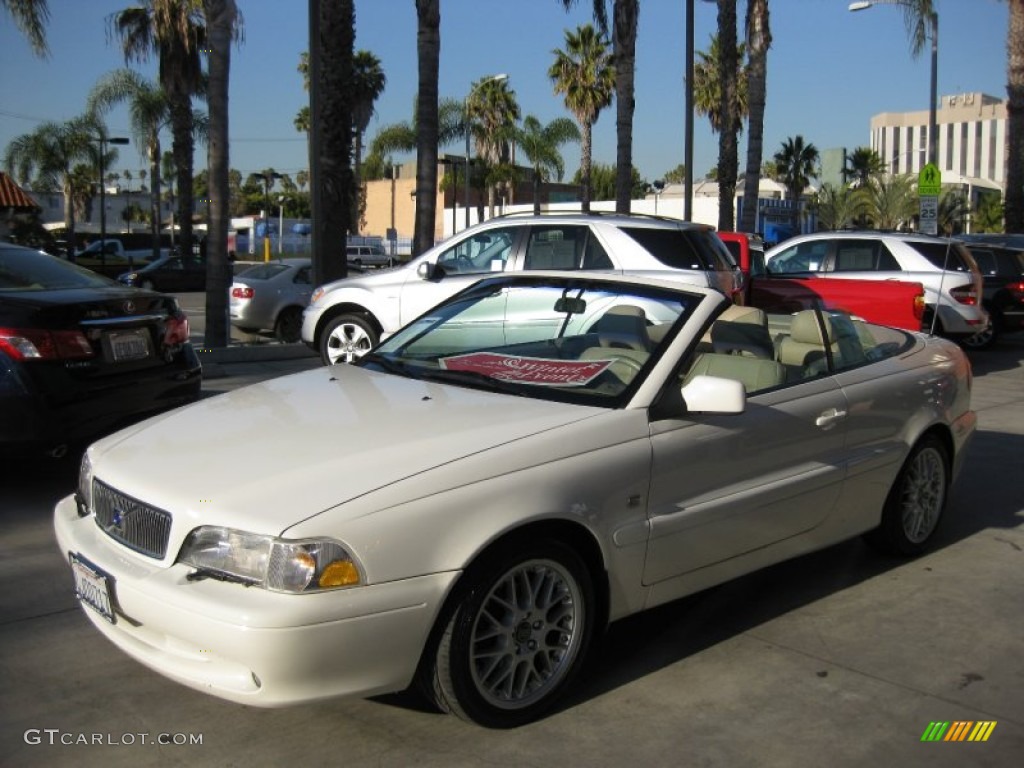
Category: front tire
[516,638]
[916,501]
[346,338]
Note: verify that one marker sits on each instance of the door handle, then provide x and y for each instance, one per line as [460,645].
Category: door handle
[830,417]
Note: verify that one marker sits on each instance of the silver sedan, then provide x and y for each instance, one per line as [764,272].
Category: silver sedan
[272,296]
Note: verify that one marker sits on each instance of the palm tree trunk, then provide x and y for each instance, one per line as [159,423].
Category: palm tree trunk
[759,40]
[428,48]
[625,13]
[220,19]
[331,121]
[728,159]
[154,193]
[69,216]
[588,129]
[1014,201]
[182,147]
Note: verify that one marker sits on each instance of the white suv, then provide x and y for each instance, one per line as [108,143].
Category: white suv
[347,317]
[951,279]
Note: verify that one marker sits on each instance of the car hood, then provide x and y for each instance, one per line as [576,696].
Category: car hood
[264,457]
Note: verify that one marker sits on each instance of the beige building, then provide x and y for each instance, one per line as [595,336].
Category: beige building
[972,140]
[391,203]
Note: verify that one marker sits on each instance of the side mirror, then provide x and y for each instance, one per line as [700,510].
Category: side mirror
[711,394]
[427,270]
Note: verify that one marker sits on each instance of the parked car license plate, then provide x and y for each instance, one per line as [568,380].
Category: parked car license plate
[93,587]
[129,345]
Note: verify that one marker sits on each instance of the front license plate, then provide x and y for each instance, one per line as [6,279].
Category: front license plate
[129,345]
[93,587]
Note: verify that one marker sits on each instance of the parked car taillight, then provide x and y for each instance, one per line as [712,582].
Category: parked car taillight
[965,294]
[36,344]
[176,331]
[1017,289]
[919,305]
[242,292]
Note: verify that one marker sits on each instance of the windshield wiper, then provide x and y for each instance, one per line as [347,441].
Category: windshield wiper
[387,364]
[473,379]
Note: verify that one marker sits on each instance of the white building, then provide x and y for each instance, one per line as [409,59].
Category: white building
[972,140]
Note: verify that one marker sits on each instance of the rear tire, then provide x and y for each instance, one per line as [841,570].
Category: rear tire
[916,501]
[288,327]
[516,637]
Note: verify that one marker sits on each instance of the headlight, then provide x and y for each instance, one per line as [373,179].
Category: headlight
[317,295]
[281,565]
[84,495]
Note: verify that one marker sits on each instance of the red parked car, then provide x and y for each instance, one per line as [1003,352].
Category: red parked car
[895,303]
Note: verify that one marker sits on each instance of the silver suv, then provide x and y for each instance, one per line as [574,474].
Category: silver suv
[347,317]
[951,279]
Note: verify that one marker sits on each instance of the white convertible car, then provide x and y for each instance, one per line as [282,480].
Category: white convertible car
[472,502]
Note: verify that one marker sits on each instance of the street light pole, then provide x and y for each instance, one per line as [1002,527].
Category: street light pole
[933,128]
[104,140]
[465,111]
[268,180]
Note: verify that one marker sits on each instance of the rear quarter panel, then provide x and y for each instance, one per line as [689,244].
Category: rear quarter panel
[895,303]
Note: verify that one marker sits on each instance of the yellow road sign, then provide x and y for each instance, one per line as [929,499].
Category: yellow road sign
[929,181]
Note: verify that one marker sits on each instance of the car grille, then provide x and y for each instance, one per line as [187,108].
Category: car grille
[133,523]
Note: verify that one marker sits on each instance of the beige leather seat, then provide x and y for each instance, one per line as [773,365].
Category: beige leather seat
[754,373]
[739,331]
[623,326]
[803,350]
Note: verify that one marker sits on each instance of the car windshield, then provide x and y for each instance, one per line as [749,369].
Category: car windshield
[22,269]
[572,340]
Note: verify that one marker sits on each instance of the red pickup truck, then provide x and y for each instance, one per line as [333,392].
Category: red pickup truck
[894,303]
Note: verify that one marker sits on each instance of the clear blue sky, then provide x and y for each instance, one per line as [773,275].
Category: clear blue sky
[829,69]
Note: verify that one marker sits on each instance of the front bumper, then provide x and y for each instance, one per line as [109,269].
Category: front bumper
[249,645]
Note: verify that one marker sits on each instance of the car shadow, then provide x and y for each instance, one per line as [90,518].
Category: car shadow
[1005,354]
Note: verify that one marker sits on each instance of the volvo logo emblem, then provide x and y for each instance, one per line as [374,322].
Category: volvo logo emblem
[118,518]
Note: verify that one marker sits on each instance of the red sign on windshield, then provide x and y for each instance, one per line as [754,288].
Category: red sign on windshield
[528,370]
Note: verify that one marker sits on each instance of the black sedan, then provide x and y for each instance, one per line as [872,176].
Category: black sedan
[173,274]
[1002,269]
[81,354]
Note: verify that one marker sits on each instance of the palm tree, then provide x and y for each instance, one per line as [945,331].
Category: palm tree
[368,85]
[861,165]
[707,84]
[759,40]
[48,157]
[149,111]
[173,30]
[1014,203]
[796,163]
[402,137]
[625,17]
[728,152]
[838,207]
[954,208]
[428,51]
[890,201]
[30,16]
[493,111]
[584,73]
[223,24]
[540,144]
